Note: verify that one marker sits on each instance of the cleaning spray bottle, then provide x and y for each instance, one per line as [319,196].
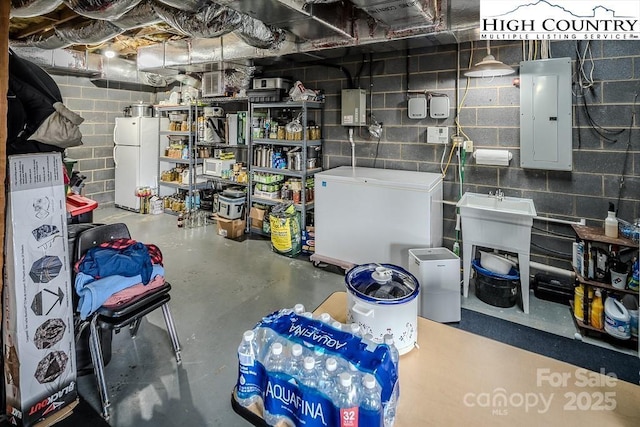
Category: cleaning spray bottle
[611,223]
[597,310]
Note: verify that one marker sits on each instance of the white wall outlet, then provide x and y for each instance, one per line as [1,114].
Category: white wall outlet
[437,135]
[468,146]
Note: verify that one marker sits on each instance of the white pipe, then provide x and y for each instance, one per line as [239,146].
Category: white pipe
[353,148]
[560,221]
[544,267]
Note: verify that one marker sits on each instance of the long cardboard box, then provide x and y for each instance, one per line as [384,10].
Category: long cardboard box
[38,344]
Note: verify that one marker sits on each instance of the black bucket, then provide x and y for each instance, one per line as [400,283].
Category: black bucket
[496,289]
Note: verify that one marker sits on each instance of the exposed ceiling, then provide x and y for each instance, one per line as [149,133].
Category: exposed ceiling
[185,34]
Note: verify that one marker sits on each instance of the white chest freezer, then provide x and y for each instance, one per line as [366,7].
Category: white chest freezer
[365,215]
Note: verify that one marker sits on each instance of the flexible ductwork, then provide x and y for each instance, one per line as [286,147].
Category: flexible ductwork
[49,40]
[31,8]
[140,16]
[101,9]
[92,32]
[210,21]
[186,5]
[256,33]
[216,20]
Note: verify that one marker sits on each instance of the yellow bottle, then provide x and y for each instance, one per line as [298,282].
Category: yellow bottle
[597,309]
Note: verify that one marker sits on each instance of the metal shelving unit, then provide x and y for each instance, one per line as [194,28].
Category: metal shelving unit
[308,110]
[190,160]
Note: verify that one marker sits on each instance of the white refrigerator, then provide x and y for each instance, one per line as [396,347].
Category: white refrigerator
[135,155]
[365,215]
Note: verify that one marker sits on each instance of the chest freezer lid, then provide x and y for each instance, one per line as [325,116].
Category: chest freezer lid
[424,181]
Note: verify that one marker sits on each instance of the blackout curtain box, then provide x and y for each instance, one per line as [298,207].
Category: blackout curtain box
[38,344]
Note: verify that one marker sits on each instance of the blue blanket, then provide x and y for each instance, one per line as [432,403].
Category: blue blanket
[94,292]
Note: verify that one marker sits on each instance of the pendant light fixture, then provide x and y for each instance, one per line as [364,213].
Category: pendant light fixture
[489,67]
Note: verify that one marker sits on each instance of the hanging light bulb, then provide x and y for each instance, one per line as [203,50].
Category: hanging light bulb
[109,52]
[489,67]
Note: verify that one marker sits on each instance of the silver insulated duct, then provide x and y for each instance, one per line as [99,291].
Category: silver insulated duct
[401,14]
[101,9]
[31,8]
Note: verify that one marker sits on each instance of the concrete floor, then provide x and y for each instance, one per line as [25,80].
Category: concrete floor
[221,288]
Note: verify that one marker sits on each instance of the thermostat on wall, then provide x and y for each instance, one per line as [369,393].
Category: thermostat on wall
[417,108]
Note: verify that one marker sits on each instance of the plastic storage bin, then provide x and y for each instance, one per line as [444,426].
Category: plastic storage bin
[79,209]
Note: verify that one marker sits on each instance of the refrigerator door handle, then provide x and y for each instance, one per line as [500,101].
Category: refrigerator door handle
[115,162]
[115,132]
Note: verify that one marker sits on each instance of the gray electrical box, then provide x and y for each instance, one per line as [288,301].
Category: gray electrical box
[546,115]
[354,107]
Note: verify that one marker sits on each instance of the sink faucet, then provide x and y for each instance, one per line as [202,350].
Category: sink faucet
[499,194]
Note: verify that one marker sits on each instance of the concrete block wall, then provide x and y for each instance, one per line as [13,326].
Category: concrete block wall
[99,106]
[490,116]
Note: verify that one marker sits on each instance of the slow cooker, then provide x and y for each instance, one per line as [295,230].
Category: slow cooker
[383,299]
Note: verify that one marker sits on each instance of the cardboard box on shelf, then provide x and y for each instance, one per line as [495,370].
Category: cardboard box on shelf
[38,335]
[257,217]
[230,228]
[309,240]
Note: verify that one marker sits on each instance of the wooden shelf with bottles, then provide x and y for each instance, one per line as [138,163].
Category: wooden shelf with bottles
[595,236]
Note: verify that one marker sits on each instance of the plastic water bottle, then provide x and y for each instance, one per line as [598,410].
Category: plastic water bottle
[319,356]
[265,337]
[307,314]
[298,309]
[275,363]
[308,376]
[295,361]
[370,402]
[355,329]
[324,317]
[247,353]
[337,325]
[390,410]
[346,398]
[395,355]
[328,376]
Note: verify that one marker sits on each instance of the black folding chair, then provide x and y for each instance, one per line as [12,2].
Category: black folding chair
[128,314]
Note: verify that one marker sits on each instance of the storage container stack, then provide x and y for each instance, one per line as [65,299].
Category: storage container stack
[298,370]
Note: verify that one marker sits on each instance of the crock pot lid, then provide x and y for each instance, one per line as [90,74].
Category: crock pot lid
[381,282]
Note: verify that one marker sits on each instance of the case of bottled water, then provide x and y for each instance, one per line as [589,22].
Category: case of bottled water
[340,379]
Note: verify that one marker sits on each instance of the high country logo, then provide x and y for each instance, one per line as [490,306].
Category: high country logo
[560,19]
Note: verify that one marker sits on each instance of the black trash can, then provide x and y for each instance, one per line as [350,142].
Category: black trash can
[496,289]
[83,355]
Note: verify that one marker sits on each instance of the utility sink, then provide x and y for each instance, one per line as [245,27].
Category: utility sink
[497,222]
[489,206]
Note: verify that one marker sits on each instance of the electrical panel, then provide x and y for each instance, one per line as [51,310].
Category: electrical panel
[354,107]
[546,114]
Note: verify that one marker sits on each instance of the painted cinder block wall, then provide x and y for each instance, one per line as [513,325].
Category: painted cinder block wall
[490,116]
[99,106]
